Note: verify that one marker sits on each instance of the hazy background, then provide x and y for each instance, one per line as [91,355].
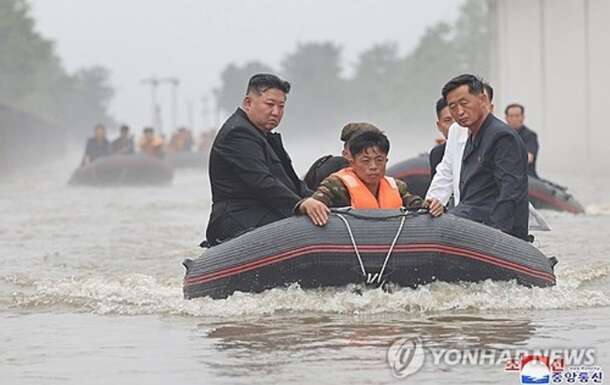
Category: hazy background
[195,40]
[66,65]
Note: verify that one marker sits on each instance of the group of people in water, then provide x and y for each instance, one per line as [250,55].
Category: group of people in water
[150,143]
[482,163]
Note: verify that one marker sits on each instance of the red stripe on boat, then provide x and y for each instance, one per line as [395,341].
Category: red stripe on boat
[425,247]
[554,201]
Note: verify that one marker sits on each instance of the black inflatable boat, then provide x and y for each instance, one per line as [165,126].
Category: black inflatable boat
[113,170]
[542,193]
[365,246]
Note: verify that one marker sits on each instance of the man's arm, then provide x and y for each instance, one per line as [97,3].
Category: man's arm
[409,200]
[511,178]
[532,147]
[246,156]
[441,186]
[331,193]
[86,157]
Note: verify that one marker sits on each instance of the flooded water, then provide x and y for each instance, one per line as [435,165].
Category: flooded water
[91,293]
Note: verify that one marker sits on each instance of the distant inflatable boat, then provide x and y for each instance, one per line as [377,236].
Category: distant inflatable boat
[542,193]
[187,159]
[136,169]
[365,246]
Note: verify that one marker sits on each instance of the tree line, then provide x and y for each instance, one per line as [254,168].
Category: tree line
[33,79]
[394,91]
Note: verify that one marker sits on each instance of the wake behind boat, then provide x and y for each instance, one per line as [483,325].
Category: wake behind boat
[356,246]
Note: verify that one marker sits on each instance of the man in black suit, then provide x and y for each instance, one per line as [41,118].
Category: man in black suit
[493,180]
[443,122]
[515,115]
[252,178]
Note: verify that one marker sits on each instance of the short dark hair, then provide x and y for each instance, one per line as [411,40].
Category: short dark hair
[367,139]
[260,83]
[489,91]
[440,105]
[513,105]
[355,128]
[475,85]
[124,128]
[149,129]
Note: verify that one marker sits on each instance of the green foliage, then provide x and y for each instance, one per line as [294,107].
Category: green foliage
[385,88]
[32,78]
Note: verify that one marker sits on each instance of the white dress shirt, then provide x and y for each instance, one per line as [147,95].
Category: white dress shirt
[446,181]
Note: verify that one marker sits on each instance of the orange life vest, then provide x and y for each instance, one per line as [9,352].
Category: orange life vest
[362,198]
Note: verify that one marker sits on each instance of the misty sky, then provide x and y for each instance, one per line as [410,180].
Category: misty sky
[195,39]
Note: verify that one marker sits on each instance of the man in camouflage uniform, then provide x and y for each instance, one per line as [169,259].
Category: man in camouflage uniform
[333,193]
[363,184]
[329,164]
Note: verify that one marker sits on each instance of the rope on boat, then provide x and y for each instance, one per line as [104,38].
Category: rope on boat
[368,277]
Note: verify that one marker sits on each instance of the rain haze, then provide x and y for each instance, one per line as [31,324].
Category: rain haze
[152,232]
[195,40]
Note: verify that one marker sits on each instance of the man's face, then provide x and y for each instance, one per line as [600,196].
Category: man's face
[149,135]
[514,117]
[445,120]
[100,132]
[370,165]
[265,110]
[466,108]
[124,133]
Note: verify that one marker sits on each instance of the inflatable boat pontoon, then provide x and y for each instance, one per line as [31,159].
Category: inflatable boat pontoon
[365,246]
[114,170]
[415,172]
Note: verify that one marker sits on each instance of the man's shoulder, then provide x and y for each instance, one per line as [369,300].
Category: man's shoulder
[438,149]
[332,184]
[500,129]
[529,132]
[402,186]
[238,124]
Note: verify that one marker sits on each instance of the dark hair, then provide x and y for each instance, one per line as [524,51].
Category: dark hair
[149,129]
[513,105]
[367,139]
[475,85]
[260,83]
[355,128]
[124,127]
[489,91]
[440,105]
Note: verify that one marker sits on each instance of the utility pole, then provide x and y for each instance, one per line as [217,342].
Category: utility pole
[205,112]
[175,83]
[155,120]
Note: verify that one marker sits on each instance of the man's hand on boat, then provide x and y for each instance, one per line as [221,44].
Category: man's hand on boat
[435,207]
[315,210]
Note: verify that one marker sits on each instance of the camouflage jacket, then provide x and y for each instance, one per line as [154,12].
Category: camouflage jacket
[333,193]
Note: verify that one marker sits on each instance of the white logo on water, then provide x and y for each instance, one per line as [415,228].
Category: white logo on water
[406,356]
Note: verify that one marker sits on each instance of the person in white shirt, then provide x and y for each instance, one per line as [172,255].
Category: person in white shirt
[446,180]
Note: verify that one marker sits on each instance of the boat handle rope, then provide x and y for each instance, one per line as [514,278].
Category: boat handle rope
[367,276]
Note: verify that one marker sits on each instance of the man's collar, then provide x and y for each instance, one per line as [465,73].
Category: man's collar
[244,115]
[477,138]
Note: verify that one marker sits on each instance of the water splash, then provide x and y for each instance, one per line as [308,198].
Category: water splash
[598,210]
[135,294]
